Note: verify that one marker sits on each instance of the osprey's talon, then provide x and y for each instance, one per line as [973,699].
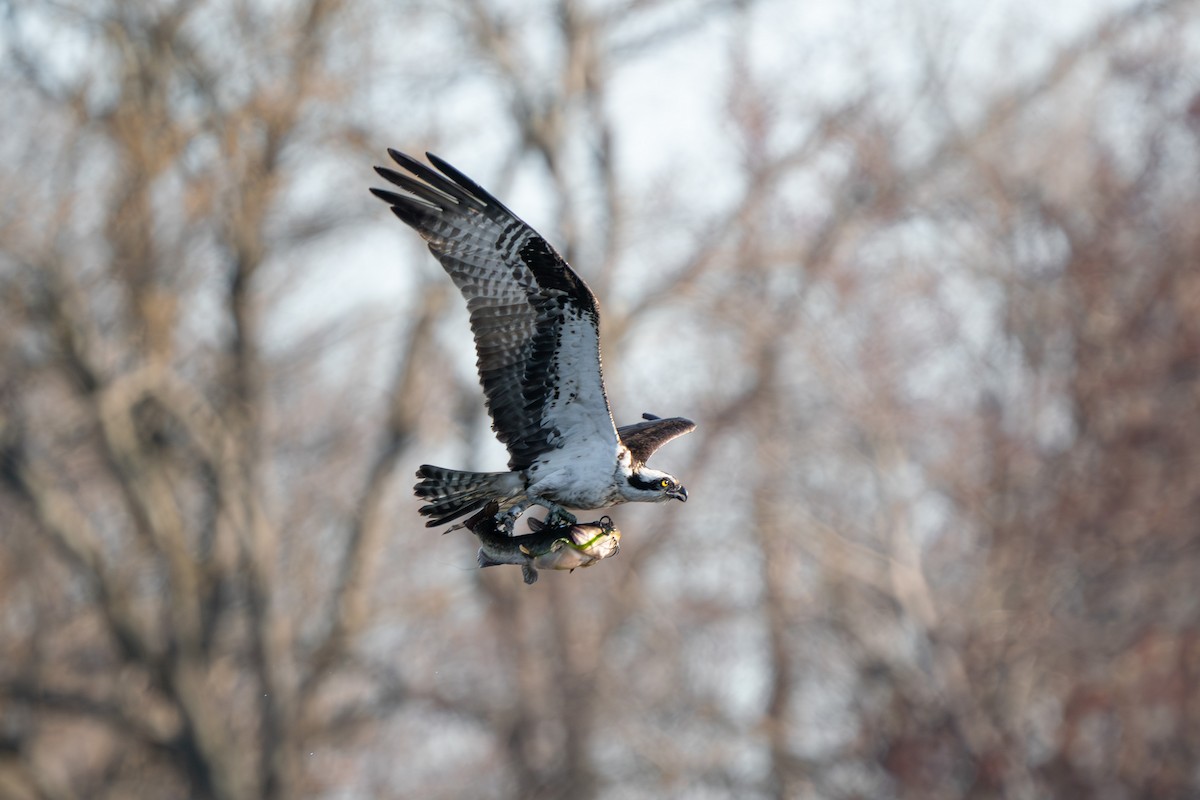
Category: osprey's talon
[508,519]
[559,516]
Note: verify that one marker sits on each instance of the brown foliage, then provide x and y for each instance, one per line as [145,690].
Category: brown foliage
[942,338]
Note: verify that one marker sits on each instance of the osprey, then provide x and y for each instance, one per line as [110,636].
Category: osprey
[536,327]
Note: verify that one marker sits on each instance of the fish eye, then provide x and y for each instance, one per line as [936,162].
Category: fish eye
[665,483]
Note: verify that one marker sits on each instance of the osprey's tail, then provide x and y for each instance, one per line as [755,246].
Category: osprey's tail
[452,493]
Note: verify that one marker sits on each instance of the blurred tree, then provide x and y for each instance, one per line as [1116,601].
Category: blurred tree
[150,632]
[941,328]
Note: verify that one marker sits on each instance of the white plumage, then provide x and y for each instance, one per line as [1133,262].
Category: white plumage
[536,328]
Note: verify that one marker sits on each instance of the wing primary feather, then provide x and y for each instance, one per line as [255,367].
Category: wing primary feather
[431,195]
[461,193]
[399,199]
[417,168]
[532,317]
[462,180]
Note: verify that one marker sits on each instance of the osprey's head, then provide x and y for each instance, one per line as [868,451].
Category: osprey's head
[647,485]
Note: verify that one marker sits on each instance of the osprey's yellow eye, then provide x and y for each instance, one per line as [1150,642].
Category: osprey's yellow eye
[664,483]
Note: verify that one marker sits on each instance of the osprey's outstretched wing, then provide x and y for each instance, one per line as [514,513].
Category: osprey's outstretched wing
[644,438]
[535,321]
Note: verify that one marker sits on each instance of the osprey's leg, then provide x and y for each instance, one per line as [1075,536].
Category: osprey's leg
[508,517]
[559,516]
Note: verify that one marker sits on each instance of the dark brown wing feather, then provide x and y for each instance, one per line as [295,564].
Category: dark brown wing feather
[644,438]
[535,321]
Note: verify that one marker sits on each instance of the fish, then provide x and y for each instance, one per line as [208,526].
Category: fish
[562,546]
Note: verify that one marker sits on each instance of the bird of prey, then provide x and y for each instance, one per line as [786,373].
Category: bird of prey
[537,342]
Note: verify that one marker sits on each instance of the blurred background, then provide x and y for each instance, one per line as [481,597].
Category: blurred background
[925,272]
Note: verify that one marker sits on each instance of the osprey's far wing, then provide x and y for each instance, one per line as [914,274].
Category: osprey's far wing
[644,438]
[536,323]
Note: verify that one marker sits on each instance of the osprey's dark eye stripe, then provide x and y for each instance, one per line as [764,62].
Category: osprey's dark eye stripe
[638,482]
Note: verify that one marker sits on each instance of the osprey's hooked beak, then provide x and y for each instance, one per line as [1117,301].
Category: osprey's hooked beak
[679,493]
